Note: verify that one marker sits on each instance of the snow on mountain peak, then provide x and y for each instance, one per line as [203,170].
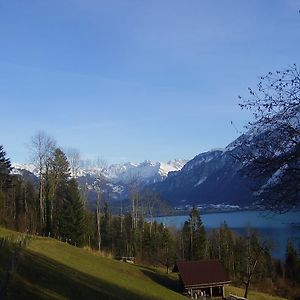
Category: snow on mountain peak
[125,172]
[144,170]
[17,166]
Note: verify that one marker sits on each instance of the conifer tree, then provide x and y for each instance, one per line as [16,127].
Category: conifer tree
[5,168]
[6,205]
[58,181]
[73,214]
[69,215]
[194,237]
[292,263]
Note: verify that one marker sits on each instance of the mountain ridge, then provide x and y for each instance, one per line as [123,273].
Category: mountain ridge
[122,172]
[210,178]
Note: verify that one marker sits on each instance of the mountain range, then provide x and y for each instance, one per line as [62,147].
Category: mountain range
[115,179]
[210,178]
[215,177]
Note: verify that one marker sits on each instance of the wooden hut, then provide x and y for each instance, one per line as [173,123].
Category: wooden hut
[202,278]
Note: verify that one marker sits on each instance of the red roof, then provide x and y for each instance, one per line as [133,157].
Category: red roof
[203,272]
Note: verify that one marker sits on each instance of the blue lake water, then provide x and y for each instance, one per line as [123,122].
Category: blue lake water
[270,226]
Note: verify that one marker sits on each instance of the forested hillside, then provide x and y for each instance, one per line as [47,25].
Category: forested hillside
[56,208]
[45,268]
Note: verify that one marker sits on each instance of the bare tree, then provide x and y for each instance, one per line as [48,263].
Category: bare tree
[42,148]
[134,191]
[255,251]
[73,156]
[153,205]
[101,167]
[270,150]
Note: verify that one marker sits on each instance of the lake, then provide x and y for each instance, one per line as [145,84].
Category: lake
[277,228]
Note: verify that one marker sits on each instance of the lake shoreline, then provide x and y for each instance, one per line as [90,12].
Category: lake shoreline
[271,226]
[208,211]
[220,211]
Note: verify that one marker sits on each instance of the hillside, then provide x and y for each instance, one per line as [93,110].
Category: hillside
[210,178]
[49,269]
[215,177]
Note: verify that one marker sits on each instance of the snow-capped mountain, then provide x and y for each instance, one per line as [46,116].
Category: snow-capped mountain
[122,173]
[145,172]
[218,177]
[28,167]
[213,177]
[116,178]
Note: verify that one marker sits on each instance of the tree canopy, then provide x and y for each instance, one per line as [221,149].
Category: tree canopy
[274,153]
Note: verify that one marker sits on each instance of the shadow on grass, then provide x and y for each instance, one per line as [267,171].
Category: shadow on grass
[38,277]
[162,279]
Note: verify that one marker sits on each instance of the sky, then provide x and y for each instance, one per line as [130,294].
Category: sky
[130,80]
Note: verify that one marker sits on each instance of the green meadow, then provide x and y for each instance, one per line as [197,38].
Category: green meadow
[49,269]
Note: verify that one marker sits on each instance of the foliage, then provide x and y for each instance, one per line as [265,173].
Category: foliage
[50,269]
[247,259]
[222,245]
[275,153]
[292,263]
[193,236]
[244,258]
[73,216]
[5,164]
[5,168]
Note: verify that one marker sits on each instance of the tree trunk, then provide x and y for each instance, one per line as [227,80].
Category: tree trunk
[98,224]
[41,202]
[251,270]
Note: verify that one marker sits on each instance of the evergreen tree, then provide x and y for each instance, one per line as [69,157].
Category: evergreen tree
[5,164]
[292,263]
[5,168]
[194,237]
[72,216]
[59,174]
[7,204]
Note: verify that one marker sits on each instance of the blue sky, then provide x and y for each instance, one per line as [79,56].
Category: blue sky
[136,79]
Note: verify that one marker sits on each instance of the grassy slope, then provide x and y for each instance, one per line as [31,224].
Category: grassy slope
[251,296]
[48,269]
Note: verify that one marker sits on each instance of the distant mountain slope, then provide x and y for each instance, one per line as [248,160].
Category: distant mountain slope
[116,178]
[214,177]
[210,178]
[144,172]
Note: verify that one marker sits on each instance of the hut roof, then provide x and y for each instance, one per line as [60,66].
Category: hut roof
[203,272]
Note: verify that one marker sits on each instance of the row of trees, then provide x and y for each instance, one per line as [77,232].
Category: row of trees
[54,208]
[247,258]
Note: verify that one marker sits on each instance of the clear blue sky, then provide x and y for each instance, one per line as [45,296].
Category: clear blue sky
[136,79]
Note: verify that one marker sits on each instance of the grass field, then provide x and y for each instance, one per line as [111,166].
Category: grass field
[49,269]
[252,295]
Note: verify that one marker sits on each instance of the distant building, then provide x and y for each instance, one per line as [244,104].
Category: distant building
[202,278]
